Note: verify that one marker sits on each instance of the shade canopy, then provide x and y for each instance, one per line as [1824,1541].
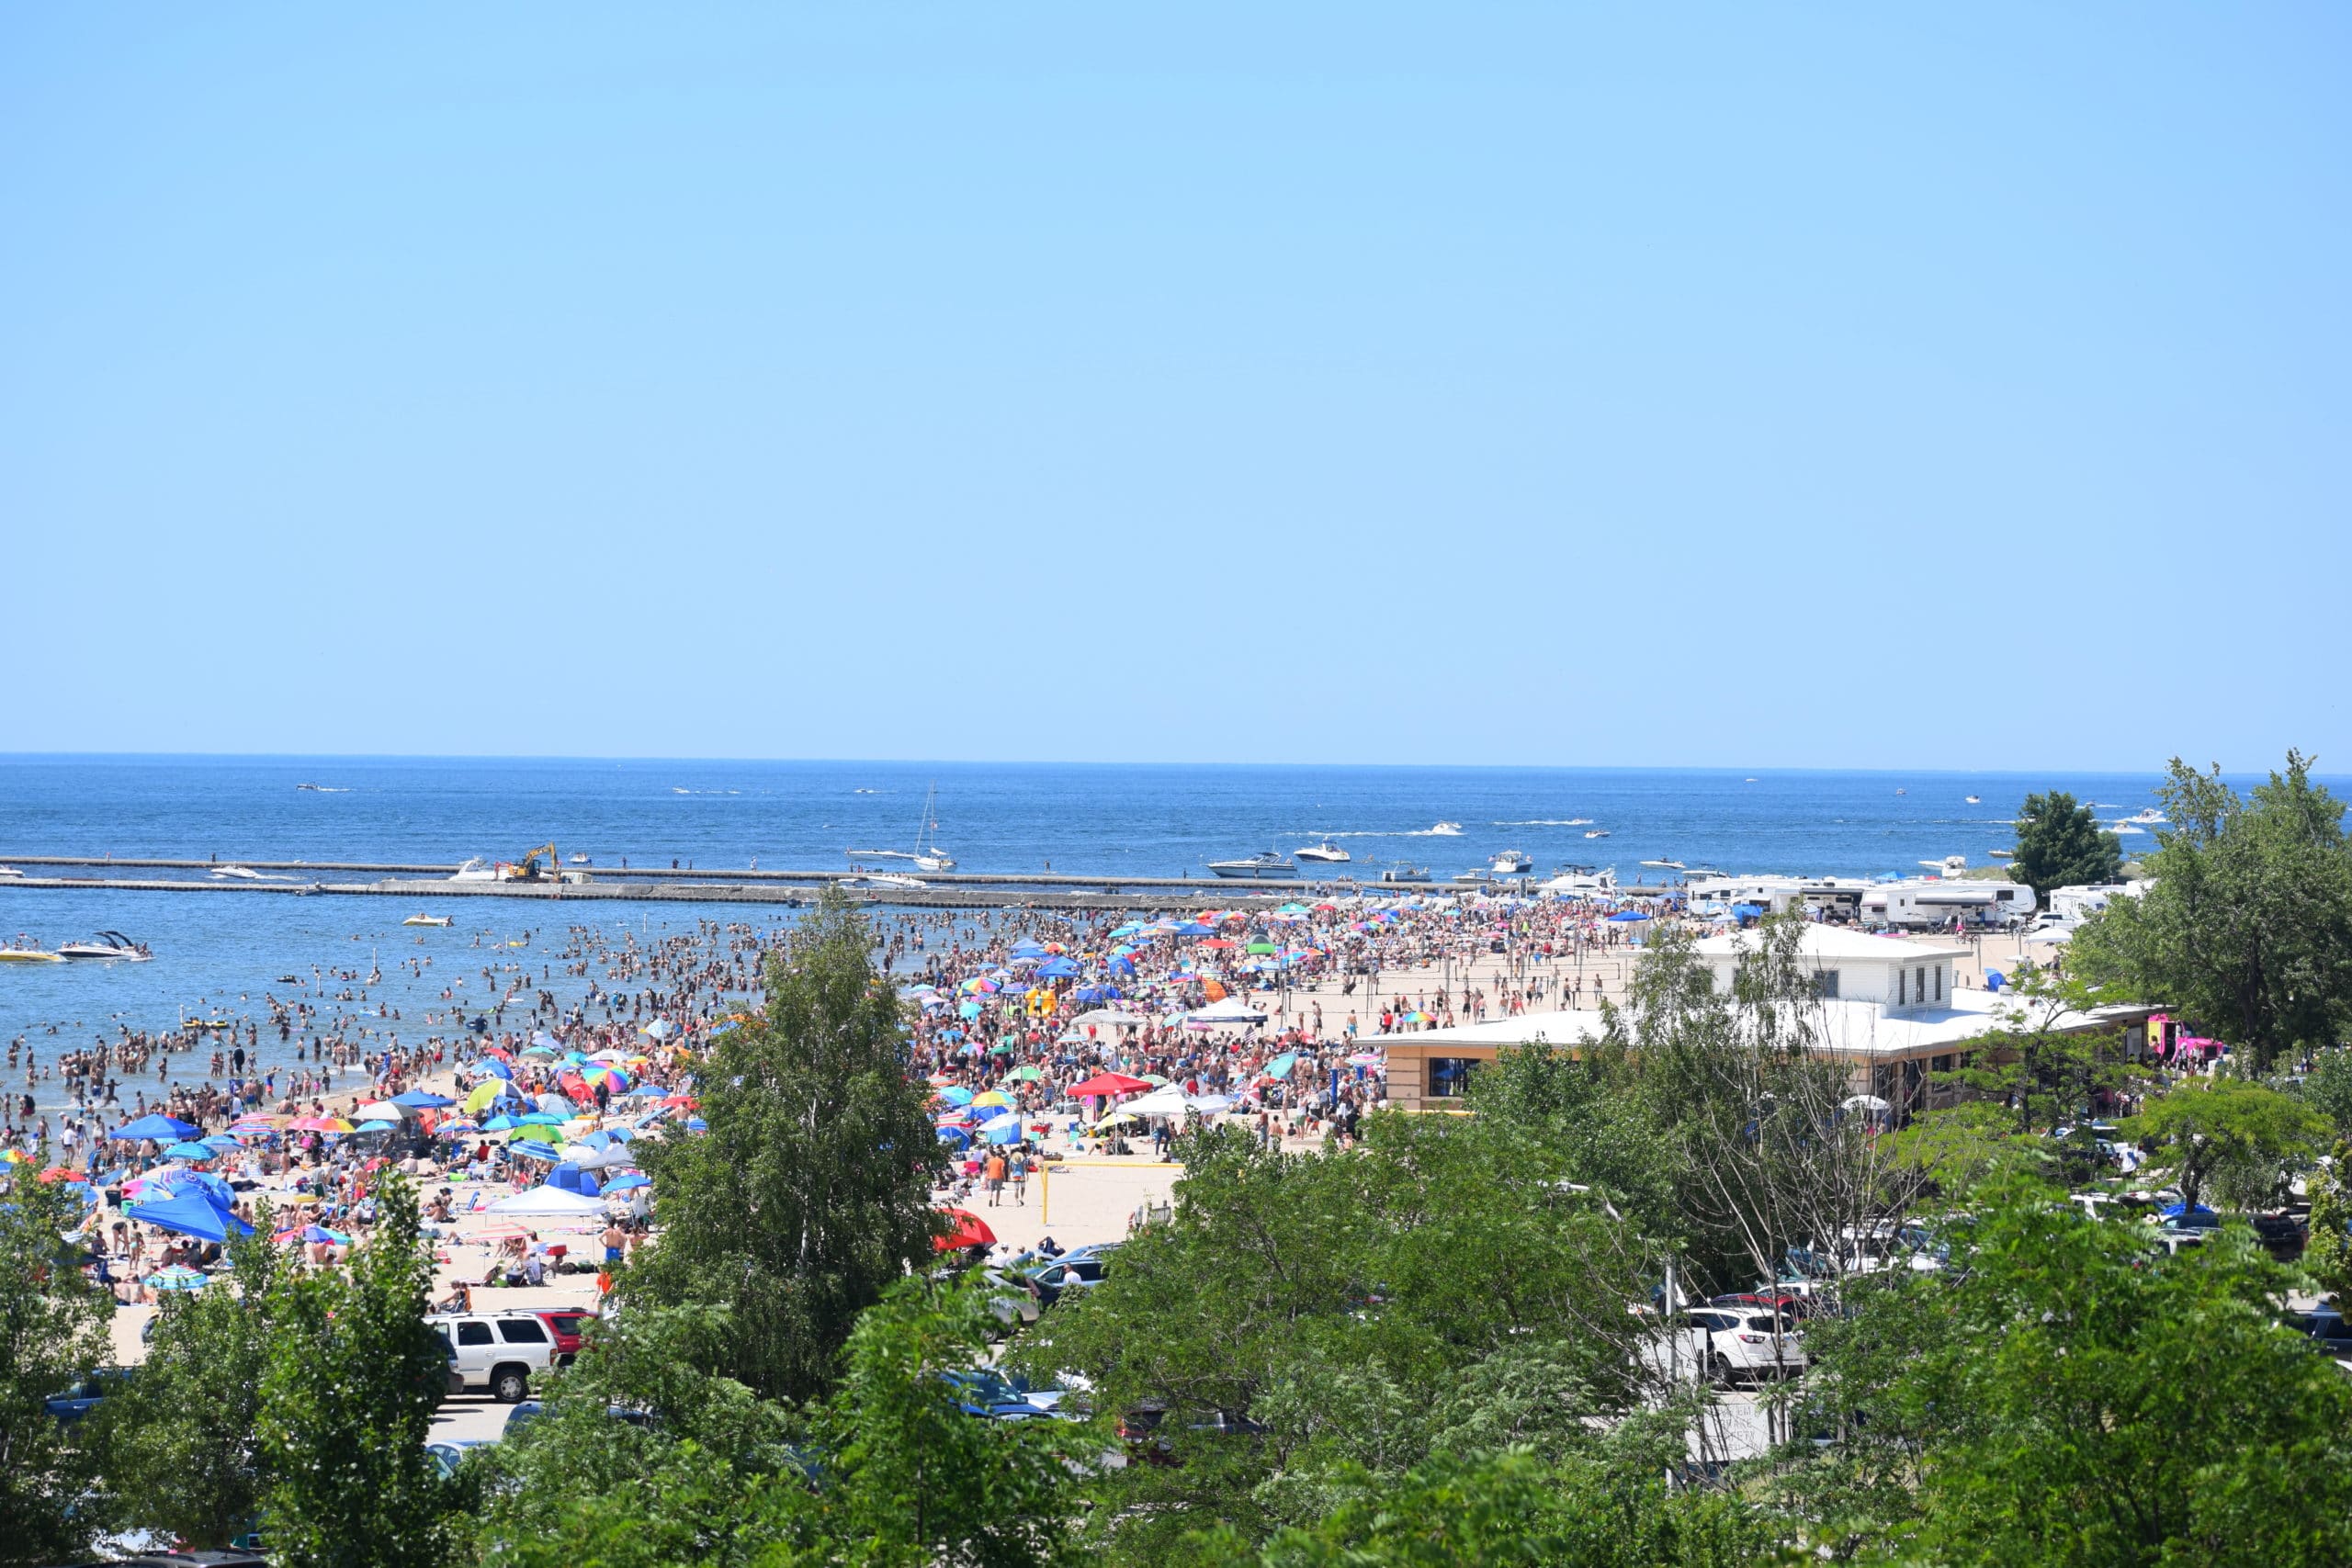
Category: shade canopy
[548,1200]
[163,1129]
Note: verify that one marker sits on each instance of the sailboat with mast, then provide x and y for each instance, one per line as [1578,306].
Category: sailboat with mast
[927,855]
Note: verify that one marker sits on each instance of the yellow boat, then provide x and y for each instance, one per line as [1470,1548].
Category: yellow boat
[28,955]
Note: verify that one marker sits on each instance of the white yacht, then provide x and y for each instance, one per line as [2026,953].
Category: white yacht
[105,944]
[426,921]
[1666,864]
[1583,879]
[926,855]
[1596,832]
[1400,871]
[475,870]
[1265,862]
[2147,814]
[1950,865]
[1326,850]
[1513,863]
[884,880]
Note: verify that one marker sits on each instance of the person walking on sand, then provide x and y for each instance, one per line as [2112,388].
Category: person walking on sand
[1019,1173]
[994,1173]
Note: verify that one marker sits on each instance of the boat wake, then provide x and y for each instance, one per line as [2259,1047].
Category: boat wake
[1548,822]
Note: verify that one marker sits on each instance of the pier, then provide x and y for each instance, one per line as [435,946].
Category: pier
[944,890]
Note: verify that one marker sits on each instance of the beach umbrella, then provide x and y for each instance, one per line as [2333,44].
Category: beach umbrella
[1028,1073]
[659,1029]
[196,1151]
[961,1229]
[498,1069]
[193,1214]
[956,1095]
[161,1128]
[380,1110]
[378,1127]
[531,1149]
[629,1181]
[540,1119]
[422,1099]
[179,1276]
[1007,1131]
[1057,969]
[224,1142]
[322,1125]
[993,1097]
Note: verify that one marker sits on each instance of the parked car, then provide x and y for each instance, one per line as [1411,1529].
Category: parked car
[985,1393]
[564,1323]
[1146,1432]
[450,1452]
[2329,1332]
[498,1352]
[531,1410]
[1750,1343]
[86,1393]
[1067,1274]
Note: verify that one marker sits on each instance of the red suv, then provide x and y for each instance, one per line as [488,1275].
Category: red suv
[564,1324]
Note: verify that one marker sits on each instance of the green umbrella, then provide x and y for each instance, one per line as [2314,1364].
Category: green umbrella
[1261,947]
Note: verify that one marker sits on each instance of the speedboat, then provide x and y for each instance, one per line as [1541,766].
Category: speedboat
[1596,832]
[1475,873]
[884,880]
[2002,854]
[426,921]
[1583,879]
[1513,863]
[1326,850]
[1666,864]
[28,955]
[1974,800]
[1265,862]
[1447,830]
[580,860]
[242,872]
[475,870]
[1950,865]
[1400,871]
[105,944]
[2147,814]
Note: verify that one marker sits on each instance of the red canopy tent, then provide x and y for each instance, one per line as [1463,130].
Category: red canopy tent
[1104,1085]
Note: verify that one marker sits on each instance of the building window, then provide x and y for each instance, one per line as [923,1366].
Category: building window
[1450,1076]
[1900,979]
[1825,984]
[1919,987]
[1939,982]
[1940,1065]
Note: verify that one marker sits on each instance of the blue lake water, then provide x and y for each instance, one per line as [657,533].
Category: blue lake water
[221,953]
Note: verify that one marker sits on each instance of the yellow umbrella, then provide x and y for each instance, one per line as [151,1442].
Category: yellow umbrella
[993,1097]
[484,1093]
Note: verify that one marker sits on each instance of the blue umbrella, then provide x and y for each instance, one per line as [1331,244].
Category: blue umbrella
[376,1127]
[955,1135]
[627,1182]
[195,1215]
[1057,969]
[220,1141]
[498,1069]
[1007,1131]
[421,1099]
[969,1009]
[531,1149]
[162,1128]
[1629,915]
[191,1151]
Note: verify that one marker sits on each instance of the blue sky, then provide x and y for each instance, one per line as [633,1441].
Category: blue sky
[1750,386]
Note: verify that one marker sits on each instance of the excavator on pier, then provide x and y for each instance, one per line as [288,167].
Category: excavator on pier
[527,869]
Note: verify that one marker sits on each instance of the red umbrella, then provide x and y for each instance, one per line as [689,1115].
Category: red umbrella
[964,1229]
[58,1173]
[1105,1084]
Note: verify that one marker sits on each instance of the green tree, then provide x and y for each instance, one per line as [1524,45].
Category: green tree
[811,1194]
[2247,927]
[2328,1259]
[53,1330]
[2072,1397]
[2327,1088]
[1438,1287]
[347,1395]
[2205,1127]
[2061,844]
[180,1442]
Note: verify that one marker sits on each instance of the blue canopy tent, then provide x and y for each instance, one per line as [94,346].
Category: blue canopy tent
[1630,915]
[161,1128]
[193,1214]
[1057,969]
[571,1178]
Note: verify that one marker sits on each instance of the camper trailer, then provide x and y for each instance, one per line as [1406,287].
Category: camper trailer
[1930,903]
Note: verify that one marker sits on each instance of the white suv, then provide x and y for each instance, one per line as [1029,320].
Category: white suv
[498,1352]
[1744,1340]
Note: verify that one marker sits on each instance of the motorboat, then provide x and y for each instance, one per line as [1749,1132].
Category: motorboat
[1596,832]
[2002,854]
[475,870]
[580,860]
[1447,830]
[1513,863]
[10,871]
[1265,862]
[242,872]
[885,882]
[1974,800]
[1475,873]
[105,944]
[1950,865]
[1326,850]
[1666,865]
[1583,879]
[28,955]
[426,921]
[1400,871]
[1903,792]
[2147,814]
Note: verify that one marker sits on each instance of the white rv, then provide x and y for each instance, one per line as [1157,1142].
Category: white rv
[1932,902]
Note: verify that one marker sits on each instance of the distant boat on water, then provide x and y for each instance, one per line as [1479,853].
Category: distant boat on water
[1974,800]
[1326,850]
[1265,862]
[1597,833]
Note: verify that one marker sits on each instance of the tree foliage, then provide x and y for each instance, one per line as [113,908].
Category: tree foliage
[347,1394]
[811,1193]
[53,1330]
[2205,1127]
[2248,929]
[2061,844]
[2073,1396]
[180,1448]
